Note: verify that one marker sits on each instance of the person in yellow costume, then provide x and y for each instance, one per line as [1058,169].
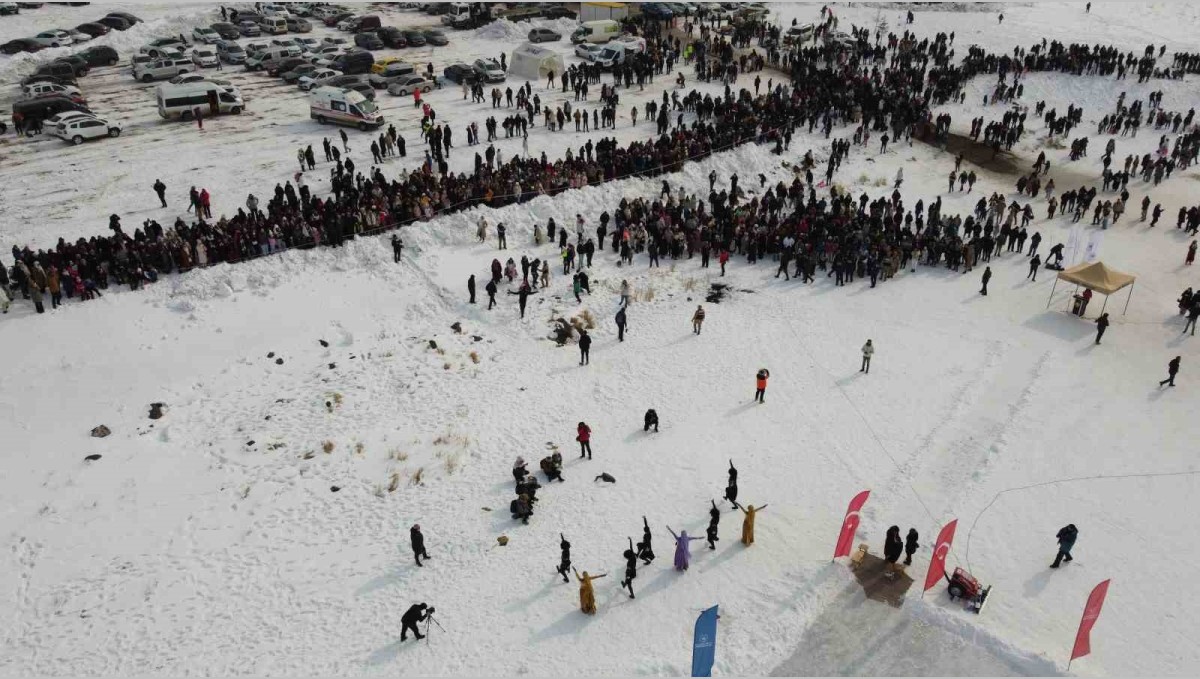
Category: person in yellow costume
[587,596]
[748,523]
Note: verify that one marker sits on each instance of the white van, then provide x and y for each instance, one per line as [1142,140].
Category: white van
[343,107]
[262,60]
[162,69]
[599,31]
[275,10]
[273,25]
[458,12]
[179,101]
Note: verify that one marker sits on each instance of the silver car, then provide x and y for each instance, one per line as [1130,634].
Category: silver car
[406,85]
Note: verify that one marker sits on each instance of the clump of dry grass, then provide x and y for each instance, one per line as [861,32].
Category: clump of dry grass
[417,478]
[359,448]
[451,463]
[327,446]
[474,357]
[394,482]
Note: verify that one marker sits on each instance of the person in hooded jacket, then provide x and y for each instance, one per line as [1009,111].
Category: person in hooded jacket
[893,546]
[910,546]
[1066,541]
[583,434]
[683,552]
[585,346]
[650,420]
[714,520]
[564,564]
[631,560]
[417,539]
[748,523]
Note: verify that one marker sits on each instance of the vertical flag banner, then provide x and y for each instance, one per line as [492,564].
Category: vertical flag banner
[1095,602]
[1092,251]
[850,525]
[937,564]
[704,643]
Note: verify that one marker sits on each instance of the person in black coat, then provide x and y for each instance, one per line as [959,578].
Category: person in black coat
[1172,369]
[631,560]
[910,546]
[418,543]
[585,344]
[1101,326]
[645,550]
[564,565]
[714,519]
[731,489]
[651,420]
[987,276]
[893,546]
[415,614]
[471,287]
[491,291]
[621,325]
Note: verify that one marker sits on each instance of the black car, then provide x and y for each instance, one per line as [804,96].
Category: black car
[459,73]
[354,62]
[93,29]
[392,37]
[368,40]
[115,22]
[226,30]
[284,65]
[62,78]
[559,13]
[100,55]
[78,63]
[44,107]
[59,69]
[362,88]
[7,9]
[414,38]
[435,36]
[126,16]
[21,45]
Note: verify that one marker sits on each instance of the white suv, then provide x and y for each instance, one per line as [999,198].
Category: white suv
[46,89]
[161,69]
[54,38]
[79,130]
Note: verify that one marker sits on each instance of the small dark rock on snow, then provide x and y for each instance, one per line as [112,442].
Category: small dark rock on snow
[323,343]
[456,327]
[432,344]
[93,457]
[279,361]
[101,431]
[335,488]
[270,354]
[156,410]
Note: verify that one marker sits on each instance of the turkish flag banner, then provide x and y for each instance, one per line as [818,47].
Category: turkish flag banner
[850,525]
[937,564]
[1095,602]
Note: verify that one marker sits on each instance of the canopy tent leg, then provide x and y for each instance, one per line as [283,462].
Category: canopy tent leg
[1104,306]
[1129,297]
[1052,289]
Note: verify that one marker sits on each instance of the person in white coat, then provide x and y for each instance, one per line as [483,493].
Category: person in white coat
[868,350]
[899,178]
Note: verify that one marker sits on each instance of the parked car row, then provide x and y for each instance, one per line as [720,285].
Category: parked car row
[59,37]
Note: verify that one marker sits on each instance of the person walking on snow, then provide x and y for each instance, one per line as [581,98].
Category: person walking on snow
[731,488]
[584,436]
[585,345]
[1101,326]
[1191,253]
[683,552]
[161,189]
[697,319]
[621,322]
[868,350]
[1066,540]
[1033,268]
[748,523]
[1172,369]
[418,543]
[987,276]
[630,568]
[760,383]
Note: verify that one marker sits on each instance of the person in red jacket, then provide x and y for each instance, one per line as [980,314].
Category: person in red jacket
[584,436]
[761,384]
[723,258]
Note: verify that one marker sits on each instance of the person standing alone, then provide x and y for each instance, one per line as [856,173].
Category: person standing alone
[868,350]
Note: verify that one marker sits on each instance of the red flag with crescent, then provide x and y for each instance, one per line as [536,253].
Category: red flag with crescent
[1083,638]
[850,525]
[937,564]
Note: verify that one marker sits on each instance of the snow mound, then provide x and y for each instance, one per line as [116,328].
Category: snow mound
[503,29]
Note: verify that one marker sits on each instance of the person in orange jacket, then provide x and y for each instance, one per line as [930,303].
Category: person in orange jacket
[761,384]
[723,258]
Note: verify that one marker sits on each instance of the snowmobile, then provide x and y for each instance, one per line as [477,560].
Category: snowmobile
[964,586]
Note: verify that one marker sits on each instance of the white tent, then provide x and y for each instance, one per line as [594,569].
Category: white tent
[534,63]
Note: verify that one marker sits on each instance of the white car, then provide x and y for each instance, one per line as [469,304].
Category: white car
[45,89]
[54,120]
[335,41]
[405,85]
[631,43]
[587,51]
[79,36]
[205,57]
[307,43]
[205,35]
[79,130]
[317,78]
[286,42]
[53,38]
[274,10]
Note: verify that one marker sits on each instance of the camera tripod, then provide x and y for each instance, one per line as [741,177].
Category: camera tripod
[429,619]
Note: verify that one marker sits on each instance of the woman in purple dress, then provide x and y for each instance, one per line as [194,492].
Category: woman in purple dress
[683,553]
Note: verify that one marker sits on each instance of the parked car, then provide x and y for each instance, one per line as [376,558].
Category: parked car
[93,29]
[382,63]
[405,86]
[347,81]
[336,18]
[45,107]
[63,69]
[389,74]
[544,35]
[559,13]
[298,25]
[299,71]
[249,29]
[78,63]
[169,52]
[79,130]
[226,30]
[205,56]
[21,45]
[364,89]
[53,121]
[7,8]
[368,41]
[435,36]
[413,37]
[55,37]
[460,73]
[281,66]
[588,52]
[354,62]
[324,56]
[115,23]
[177,41]
[519,13]
[317,78]
[162,69]
[362,23]
[230,52]
[307,44]
[126,16]
[286,42]
[392,37]
[46,89]
[336,41]
[100,55]
[489,70]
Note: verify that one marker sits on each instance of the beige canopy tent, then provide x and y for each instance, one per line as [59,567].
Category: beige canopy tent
[1097,277]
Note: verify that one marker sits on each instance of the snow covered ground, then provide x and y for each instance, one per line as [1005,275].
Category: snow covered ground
[211,542]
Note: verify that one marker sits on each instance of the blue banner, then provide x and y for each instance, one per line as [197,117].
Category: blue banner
[704,644]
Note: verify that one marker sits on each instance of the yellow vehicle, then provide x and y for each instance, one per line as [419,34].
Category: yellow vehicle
[381,63]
